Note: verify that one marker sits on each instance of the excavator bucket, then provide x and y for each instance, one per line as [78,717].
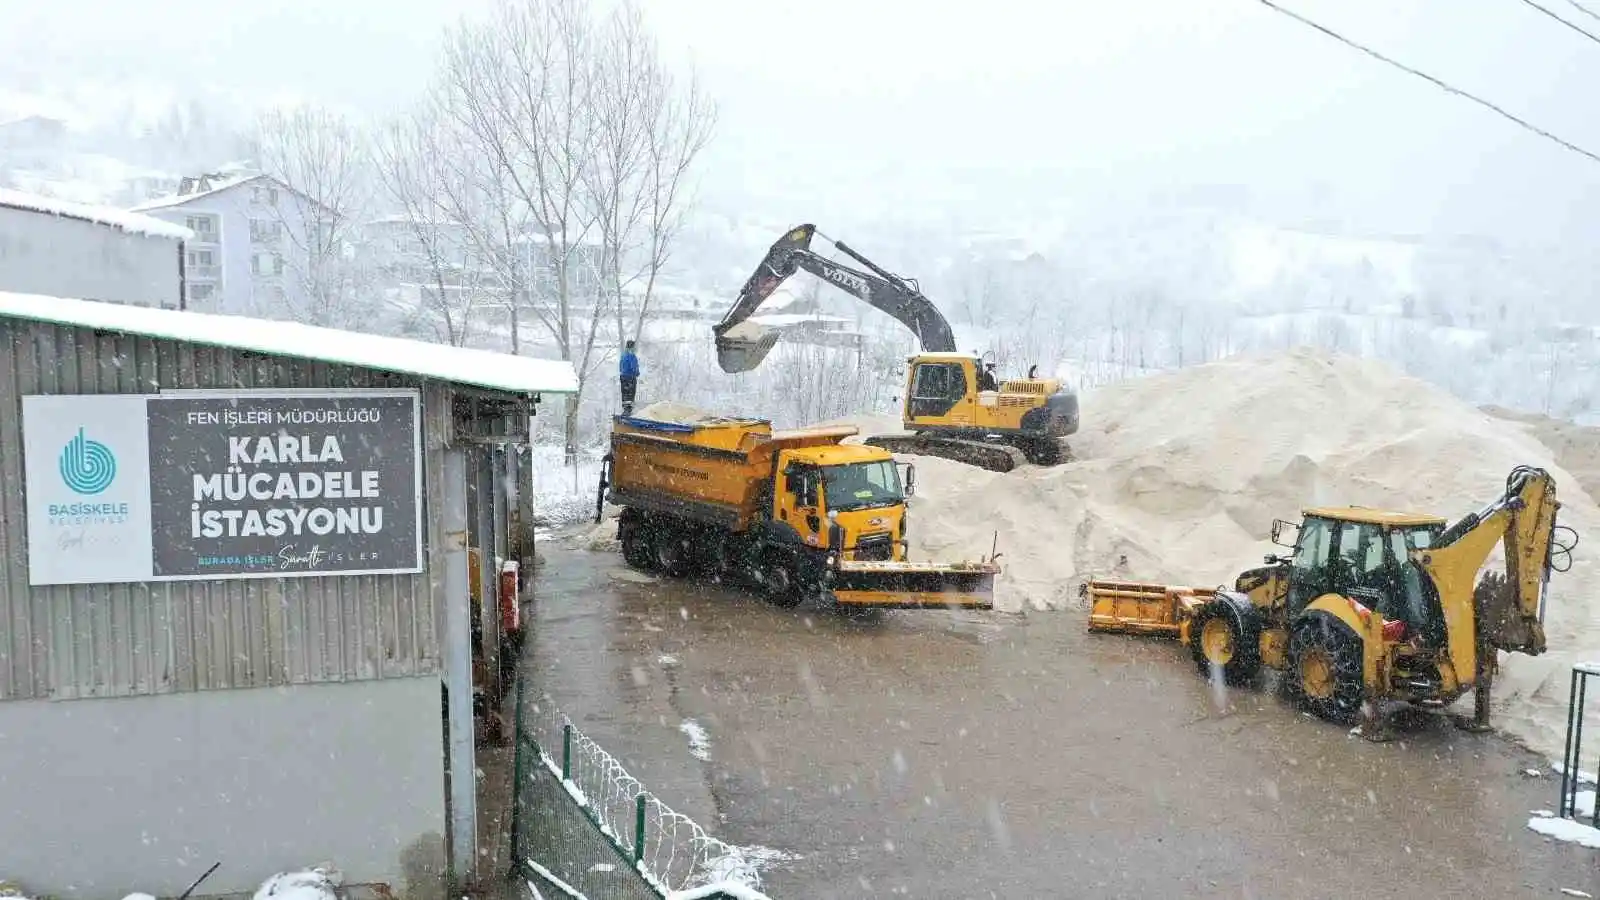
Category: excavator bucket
[741,344]
[914,585]
[1141,607]
[743,347]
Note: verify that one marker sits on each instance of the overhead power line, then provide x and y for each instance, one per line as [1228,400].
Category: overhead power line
[1584,9]
[1588,34]
[1426,77]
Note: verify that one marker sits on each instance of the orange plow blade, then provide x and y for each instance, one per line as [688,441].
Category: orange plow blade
[1141,607]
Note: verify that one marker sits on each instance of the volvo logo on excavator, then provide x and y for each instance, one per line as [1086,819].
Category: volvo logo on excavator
[849,279]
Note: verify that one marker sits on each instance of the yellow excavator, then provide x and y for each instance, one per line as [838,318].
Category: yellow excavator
[953,408]
[1372,607]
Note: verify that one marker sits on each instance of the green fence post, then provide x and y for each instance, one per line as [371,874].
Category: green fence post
[566,751]
[638,829]
[517,774]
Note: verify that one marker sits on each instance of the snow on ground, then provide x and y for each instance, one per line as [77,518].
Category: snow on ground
[563,494]
[699,740]
[320,883]
[1566,830]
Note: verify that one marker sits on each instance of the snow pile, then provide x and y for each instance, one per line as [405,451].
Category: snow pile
[320,883]
[131,222]
[1180,476]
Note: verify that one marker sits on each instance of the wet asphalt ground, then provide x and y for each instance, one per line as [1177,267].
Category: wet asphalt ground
[971,755]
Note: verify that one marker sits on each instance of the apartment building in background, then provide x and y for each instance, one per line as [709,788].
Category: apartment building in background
[245,227]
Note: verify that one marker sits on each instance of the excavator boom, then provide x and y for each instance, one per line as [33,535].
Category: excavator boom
[742,344]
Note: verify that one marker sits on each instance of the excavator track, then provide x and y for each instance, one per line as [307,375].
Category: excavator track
[993,457]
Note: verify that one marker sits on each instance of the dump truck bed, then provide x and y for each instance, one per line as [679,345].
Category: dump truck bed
[717,471]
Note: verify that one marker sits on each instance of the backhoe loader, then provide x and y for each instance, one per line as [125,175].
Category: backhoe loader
[1371,607]
[947,411]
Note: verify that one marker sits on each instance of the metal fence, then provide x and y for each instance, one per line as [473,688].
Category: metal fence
[583,828]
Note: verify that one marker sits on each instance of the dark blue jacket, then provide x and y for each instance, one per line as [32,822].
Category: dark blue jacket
[628,367]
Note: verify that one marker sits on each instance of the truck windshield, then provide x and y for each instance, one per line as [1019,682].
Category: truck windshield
[859,485]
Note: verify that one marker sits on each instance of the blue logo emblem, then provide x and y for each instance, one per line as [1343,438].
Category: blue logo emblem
[88,467]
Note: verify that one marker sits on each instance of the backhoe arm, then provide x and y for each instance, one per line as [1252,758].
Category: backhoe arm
[1511,617]
[742,347]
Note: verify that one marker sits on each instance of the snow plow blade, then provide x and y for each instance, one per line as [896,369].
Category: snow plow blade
[1142,607]
[914,585]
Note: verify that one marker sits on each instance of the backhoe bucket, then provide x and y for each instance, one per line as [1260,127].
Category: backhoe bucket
[1141,607]
[914,585]
[743,347]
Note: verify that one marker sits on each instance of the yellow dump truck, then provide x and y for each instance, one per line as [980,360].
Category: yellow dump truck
[798,514]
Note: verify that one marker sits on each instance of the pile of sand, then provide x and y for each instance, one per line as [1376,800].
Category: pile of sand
[1576,447]
[1182,474]
[675,413]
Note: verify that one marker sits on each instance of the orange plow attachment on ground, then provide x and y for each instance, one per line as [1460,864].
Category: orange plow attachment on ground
[1142,607]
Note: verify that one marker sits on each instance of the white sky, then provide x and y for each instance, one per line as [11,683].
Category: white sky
[937,110]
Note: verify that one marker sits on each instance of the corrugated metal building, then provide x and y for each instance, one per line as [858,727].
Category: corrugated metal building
[155,724]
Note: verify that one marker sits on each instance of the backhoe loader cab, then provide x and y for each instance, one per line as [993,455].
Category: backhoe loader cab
[1370,605]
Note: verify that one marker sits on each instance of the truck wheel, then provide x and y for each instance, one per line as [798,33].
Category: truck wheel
[673,552]
[1325,668]
[636,545]
[1219,642]
[779,583]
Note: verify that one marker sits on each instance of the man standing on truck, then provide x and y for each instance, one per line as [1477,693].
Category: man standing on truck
[628,373]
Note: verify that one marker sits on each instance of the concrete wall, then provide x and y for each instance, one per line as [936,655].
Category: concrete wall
[48,254]
[280,778]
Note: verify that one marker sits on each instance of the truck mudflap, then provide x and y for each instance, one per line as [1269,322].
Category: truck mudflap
[913,585]
[1142,607]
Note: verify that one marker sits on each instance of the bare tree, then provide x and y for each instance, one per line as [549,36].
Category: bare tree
[426,185]
[321,159]
[582,142]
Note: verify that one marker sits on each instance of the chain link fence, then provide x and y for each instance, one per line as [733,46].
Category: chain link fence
[583,828]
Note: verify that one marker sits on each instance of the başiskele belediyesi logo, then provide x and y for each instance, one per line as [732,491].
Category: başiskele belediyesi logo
[87,467]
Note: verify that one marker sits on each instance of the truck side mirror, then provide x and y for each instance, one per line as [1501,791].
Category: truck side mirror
[911,480]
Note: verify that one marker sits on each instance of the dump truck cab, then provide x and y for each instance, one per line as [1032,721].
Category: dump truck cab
[848,499]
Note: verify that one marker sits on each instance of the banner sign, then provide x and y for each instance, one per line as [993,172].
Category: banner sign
[212,484]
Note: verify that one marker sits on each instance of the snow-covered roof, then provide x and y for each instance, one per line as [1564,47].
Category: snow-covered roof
[458,365]
[181,199]
[100,215]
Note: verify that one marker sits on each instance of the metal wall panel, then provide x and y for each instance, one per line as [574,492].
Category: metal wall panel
[160,637]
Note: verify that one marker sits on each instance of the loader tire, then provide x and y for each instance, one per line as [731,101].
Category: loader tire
[1220,640]
[1325,668]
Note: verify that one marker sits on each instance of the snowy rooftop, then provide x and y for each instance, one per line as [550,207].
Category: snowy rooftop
[458,365]
[231,180]
[132,223]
